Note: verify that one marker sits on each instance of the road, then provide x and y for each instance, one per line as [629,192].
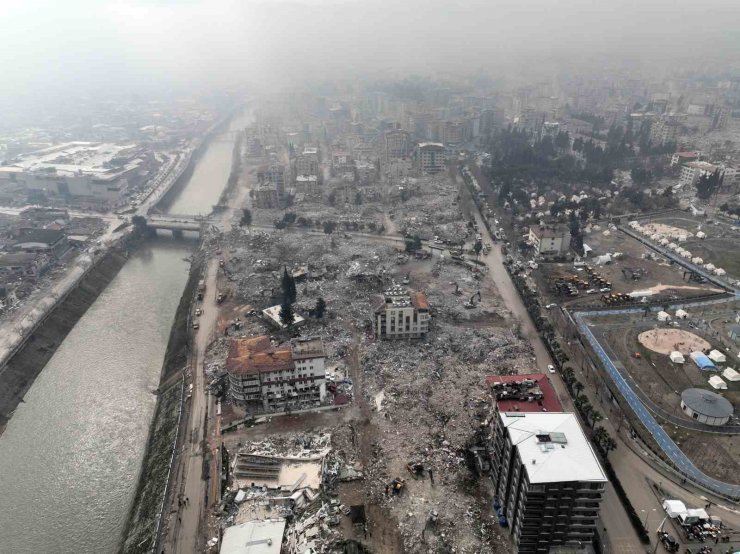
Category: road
[620,535]
[185,534]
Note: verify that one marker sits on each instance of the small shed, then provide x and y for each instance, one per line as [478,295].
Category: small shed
[730,374]
[717,382]
[664,316]
[717,357]
[676,357]
[681,314]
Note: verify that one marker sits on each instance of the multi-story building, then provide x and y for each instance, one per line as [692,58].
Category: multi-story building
[680,158]
[275,175]
[690,172]
[549,240]
[664,130]
[432,157]
[267,378]
[397,144]
[547,479]
[307,163]
[399,315]
[81,172]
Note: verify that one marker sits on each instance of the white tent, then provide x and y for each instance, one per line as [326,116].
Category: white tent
[677,357]
[673,246]
[701,235]
[655,236]
[710,267]
[674,507]
[682,238]
[681,314]
[717,382]
[717,356]
[664,241]
[730,374]
[664,316]
[686,254]
[719,271]
[697,260]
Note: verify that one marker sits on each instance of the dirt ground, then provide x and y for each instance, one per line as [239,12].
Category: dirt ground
[665,341]
[663,381]
[720,245]
[657,273]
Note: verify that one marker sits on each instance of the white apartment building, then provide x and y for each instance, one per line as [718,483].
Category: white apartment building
[432,157]
[268,378]
[399,315]
[691,172]
[549,240]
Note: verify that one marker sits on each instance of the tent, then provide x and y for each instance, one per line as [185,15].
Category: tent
[702,361]
[664,241]
[674,508]
[730,374]
[681,314]
[717,356]
[664,316]
[709,267]
[676,357]
[719,271]
[694,515]
[701,235]
[698,260]
[717,382]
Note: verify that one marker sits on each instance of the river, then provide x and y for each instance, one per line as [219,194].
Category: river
[70,456]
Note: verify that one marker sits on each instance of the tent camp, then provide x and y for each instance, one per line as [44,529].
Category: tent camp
[702,361]
[717,357]
[730,374]
[681,314]
[674,508]
[676,357]
[717,382]
[664,316]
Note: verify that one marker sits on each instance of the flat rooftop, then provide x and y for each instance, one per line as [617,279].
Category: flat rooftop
[254,537]
[553,447]
[531,392]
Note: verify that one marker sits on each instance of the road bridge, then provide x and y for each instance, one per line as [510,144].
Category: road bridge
[177,223]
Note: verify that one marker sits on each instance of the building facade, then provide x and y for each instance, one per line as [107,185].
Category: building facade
[547,479]
[268,378]
[399,315]
[692,171]
[550,240]
[432,157]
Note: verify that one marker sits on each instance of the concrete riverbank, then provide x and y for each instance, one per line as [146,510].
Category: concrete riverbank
[28,360]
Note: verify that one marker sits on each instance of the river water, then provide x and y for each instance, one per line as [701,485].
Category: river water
[71,454]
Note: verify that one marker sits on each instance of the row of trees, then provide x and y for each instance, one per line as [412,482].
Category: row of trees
[291,219]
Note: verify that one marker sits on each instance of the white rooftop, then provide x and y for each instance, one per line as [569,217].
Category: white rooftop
[254,537]
[552,447]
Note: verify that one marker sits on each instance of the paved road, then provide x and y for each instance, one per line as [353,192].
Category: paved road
[620,534]
[185,533]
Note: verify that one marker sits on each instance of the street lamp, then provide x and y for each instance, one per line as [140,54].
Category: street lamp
[647,514]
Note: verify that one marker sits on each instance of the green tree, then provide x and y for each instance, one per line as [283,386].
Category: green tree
[596,417]
[287,284]
[358,198]
[413,243]
[708,184]
[578,388]
[140,226]
[286,313]
[329,227]
[477,247]
[320,308]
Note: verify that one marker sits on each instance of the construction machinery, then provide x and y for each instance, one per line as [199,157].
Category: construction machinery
[634,274]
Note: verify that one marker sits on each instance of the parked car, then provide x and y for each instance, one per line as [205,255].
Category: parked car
[551,368]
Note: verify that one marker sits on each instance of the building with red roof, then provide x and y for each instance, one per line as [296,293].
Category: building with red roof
[267,377]
[398,314]
[531,392]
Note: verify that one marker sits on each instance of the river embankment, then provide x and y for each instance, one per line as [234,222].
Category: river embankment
[26,363]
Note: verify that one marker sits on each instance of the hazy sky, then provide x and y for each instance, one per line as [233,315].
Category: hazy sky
[50,47]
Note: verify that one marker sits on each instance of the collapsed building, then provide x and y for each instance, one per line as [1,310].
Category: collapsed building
[398,314]
[268,378]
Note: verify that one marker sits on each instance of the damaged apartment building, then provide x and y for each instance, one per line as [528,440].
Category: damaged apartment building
[398,314]
[268,378]
[547,479]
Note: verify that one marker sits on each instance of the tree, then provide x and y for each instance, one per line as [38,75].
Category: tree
[140,225]
[287,284]
[708,184]
[596,417]
[603,440]
[578,388]
[477,247]
[413,243]
[286,313]
[329,227]
[320,308]
[358,198]
[246,217]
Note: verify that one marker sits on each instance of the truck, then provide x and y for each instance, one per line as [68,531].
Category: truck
[201,289]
